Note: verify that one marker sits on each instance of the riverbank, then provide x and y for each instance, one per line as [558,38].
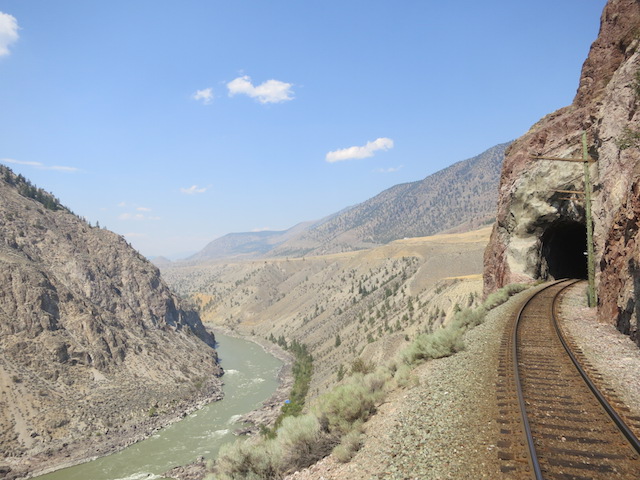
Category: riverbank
[265,415]
[110,441]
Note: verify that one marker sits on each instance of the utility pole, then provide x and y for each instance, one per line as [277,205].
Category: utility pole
[591,262]
[591,265]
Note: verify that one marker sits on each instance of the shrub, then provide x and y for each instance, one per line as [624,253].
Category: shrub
[348,447]
[303,442]
[250,460]
[499,297]
[441,343]
[360,366]
[349,405]
[404,376]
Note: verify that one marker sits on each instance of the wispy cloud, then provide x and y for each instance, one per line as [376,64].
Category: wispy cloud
[40,165]
[143,209]
[8,32]
[357,152]
[388,170]
[137,216]
[205,95]
[193,189]
[271,91]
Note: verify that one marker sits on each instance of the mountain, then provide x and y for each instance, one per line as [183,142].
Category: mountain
[540,231]
[93,343]
[459,198]
[248,244]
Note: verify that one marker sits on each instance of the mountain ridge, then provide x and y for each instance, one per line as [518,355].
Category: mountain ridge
[458,198]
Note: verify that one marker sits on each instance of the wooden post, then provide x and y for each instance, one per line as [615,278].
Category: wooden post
[591,266]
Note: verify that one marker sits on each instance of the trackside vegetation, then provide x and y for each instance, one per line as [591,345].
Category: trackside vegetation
[334,423]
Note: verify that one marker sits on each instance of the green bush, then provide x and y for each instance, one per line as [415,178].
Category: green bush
[250,460]
[348,406]
[349,446]
[441,343]
[404,376]
[499,297]
[302,442]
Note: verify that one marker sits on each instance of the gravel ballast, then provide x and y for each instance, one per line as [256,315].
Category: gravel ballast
[445,426]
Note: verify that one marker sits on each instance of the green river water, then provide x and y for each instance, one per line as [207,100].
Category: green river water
[250,378]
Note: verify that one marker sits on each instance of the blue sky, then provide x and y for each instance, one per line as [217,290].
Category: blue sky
[176,122]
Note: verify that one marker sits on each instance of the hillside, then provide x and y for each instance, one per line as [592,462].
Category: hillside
[345,305]
[94,344]
[461,197]
[538,229]
[247,244]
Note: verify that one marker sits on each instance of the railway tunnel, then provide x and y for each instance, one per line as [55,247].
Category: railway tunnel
[563,250]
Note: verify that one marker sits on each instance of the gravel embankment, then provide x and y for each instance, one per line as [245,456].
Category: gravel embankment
[613,354]
[446,427]
[442,428]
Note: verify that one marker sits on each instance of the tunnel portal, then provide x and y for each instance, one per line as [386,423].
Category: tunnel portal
[564,246]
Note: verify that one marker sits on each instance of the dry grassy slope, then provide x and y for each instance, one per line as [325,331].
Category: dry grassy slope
[371,299]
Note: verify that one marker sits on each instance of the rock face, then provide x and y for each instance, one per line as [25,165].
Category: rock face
[92,341]
[540,232]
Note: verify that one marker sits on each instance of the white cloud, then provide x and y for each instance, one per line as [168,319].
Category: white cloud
[359,152]
[271,91]
[193,189]
[8,32]
[40,165]
[122,204]
[205,95]
[143,209]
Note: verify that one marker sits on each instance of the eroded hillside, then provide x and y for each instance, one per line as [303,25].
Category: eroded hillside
[343,306]
[93,344]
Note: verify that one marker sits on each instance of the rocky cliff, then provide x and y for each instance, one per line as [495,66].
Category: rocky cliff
[540,227]
[93,344]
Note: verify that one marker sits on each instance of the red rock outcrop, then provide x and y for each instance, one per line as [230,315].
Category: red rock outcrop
[530,210]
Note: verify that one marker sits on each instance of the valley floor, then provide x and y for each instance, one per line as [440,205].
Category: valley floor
[445,427]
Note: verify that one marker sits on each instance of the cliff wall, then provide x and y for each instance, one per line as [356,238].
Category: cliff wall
[93,344]
[537,227]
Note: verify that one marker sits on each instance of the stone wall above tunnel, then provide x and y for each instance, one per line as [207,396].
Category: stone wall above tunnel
[535,206]
[607,108]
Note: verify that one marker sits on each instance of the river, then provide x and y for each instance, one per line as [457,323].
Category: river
[250,378]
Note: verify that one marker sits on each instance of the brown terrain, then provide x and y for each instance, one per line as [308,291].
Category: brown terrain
[96,351]
[342,306]
[534,220]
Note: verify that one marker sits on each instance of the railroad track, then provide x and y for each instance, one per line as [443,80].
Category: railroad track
[555,423]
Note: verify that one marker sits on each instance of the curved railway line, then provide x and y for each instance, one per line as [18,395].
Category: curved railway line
[556,422]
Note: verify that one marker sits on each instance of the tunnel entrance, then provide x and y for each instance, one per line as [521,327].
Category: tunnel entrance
[564,246]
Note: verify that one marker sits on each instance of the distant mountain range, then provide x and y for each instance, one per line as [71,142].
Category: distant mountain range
[458,198]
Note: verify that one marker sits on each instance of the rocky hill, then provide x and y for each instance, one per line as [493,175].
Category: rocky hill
[343,305]
[540,232]
[94,344]
[459,198]
[247,244]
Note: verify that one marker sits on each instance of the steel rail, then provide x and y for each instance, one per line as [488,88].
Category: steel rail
[533,457]
[622,426]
